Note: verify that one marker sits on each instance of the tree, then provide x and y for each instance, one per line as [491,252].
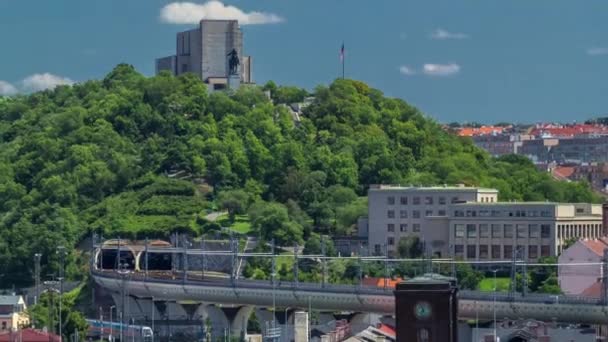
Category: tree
[348,216]
[271,221]
[544,278]
[234,201]
[410,247]
[137,156]
[73,322]
[314,245]
[468,278]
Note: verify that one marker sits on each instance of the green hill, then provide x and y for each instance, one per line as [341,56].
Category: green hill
[93,157]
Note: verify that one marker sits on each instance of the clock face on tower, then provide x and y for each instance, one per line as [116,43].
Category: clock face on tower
[422,310]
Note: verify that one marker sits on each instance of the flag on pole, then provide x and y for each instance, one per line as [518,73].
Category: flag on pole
[342,53]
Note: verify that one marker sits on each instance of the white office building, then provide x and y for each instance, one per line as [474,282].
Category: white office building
[471,224]
[395,212]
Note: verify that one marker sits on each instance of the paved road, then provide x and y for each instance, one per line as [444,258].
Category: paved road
[214,215]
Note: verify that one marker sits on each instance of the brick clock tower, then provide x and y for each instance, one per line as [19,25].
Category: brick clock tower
[426,310]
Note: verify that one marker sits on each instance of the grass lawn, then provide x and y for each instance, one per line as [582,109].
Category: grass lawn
[241,223]
[487,284]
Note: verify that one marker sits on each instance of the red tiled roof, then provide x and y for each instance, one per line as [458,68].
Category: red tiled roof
[387,329]
[568,131]
[563,171]
[594,290]
[483,130]
[379,282]
[597,246]
[28,335]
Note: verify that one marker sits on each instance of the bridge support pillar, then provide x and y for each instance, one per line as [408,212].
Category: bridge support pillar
[132,310]
[149,309]
[175,311]
[219,321]
[238,318]
[233,319]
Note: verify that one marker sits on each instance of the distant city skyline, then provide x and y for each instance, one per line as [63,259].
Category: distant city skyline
[513,61]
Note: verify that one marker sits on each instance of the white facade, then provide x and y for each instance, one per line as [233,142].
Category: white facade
[395,212]
[481,231]
[469,223]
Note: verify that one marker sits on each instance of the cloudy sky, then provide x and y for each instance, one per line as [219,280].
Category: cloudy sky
[457,60]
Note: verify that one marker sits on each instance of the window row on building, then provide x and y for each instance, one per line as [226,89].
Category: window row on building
[497,230]
[500,251]
[589,230]
[501,213]
[415,213]
[403,227]
[420,200]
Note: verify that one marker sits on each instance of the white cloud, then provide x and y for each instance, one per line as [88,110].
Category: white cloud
[193,13]
[597,51]
[406,70]
[441,69]
[38,82]
[441,34]
[7,89]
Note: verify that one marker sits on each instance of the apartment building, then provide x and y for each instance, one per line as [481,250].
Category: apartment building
[395,212]
[580,267]
[471,224]
[495,231]
[12,313]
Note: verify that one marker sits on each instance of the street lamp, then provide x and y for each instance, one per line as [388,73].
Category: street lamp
[110,337]
[62,252]
[101,324]
[37,257]
[494,306]
[286,331]
[124,272]
[50,288]
[153,309]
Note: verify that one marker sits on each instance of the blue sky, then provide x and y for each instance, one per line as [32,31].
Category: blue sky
[489,61]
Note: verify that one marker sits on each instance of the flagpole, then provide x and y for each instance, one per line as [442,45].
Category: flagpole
[343,59]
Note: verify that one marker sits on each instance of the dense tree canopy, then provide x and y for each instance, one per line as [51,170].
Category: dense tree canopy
[130,155]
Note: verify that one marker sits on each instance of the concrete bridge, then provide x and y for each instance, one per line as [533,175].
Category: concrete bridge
[238,299]
[232,300]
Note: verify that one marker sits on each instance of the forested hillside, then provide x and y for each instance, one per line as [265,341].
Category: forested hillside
[95,157]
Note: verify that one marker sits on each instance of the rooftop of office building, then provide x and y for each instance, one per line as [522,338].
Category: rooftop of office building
[399,187]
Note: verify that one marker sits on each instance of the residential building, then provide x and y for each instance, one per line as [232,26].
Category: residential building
[12,313]
[396,212]
[470,223]
[568,131]
[534,331]
[496,145]
[580,266]
[584,149]
[483,130]
[205,52]
[495,231]
[596,174]
[379,333]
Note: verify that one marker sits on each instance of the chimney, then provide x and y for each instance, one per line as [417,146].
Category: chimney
[605,219]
